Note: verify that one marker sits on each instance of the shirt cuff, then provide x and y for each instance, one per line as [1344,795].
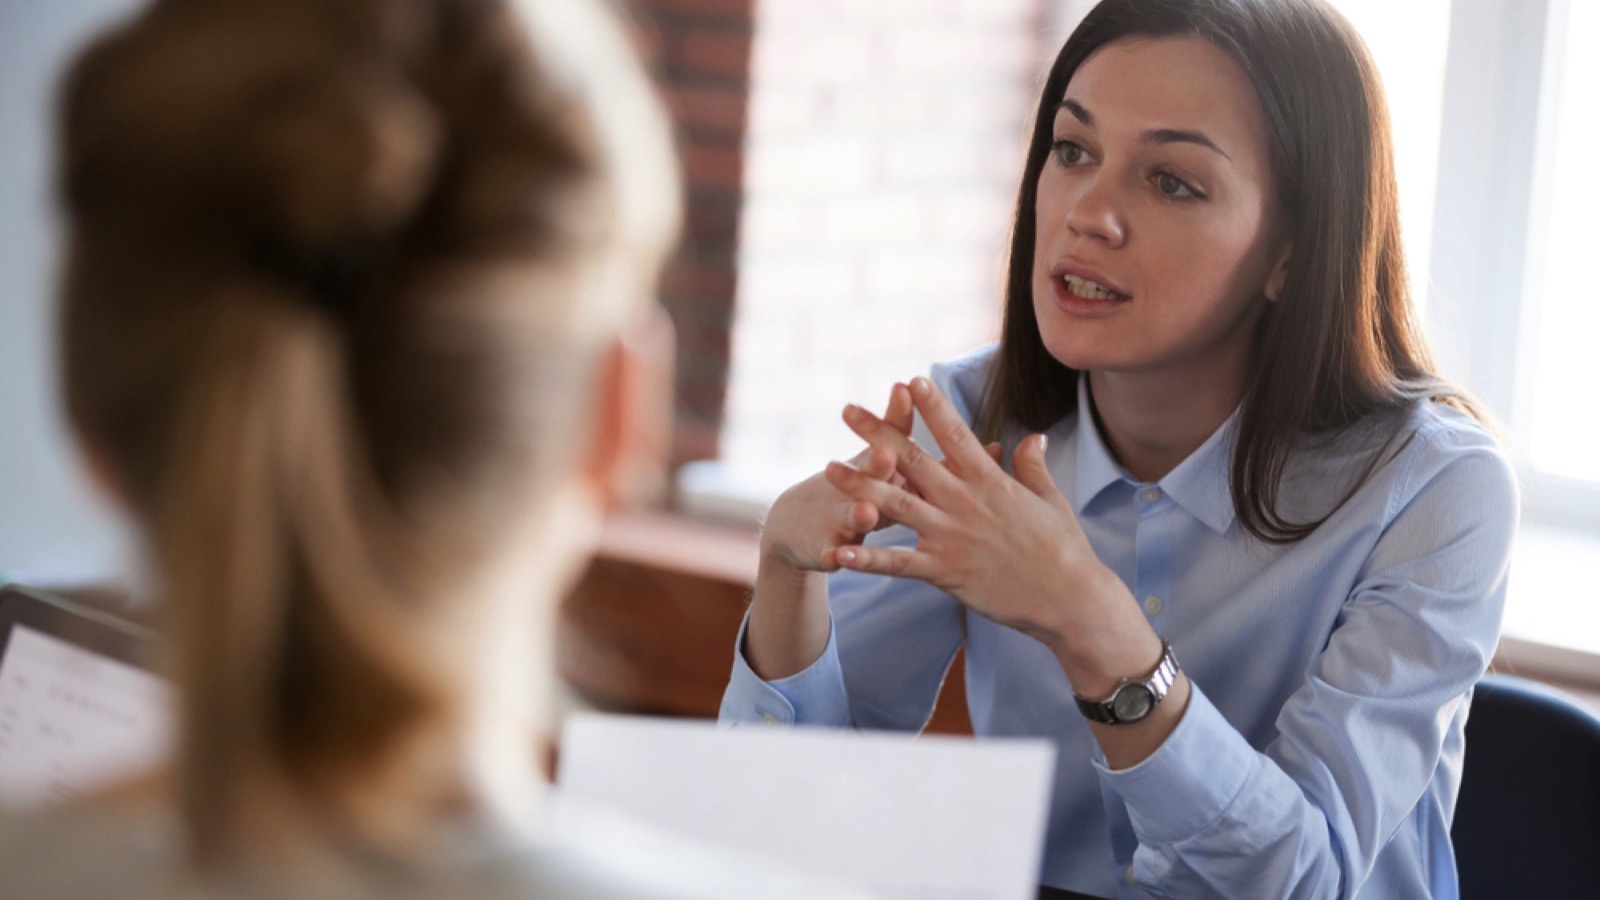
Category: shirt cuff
[1189,782]
[813,696]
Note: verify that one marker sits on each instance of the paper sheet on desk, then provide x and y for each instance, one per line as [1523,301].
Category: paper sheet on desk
[928,817]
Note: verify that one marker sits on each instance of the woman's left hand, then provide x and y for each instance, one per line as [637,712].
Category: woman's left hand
[1010,549]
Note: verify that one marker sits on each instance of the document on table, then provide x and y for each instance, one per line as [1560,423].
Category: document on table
[72,721]
[927,817]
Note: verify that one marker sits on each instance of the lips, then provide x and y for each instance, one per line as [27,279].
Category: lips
[1085,290]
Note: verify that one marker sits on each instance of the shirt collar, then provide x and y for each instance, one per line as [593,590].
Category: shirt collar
[1095,469]
[1199,484]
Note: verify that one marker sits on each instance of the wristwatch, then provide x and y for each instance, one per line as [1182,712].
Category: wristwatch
[1133,699]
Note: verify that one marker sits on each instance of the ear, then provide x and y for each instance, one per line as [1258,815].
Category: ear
[1280,274]
[631,417]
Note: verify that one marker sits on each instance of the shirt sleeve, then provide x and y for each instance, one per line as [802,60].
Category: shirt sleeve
[1359,742]
[813,696]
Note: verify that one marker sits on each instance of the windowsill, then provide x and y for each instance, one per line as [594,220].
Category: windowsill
[1551,631]
[733,494]
[1550,634]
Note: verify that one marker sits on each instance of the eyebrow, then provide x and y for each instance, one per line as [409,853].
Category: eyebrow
[1153,136]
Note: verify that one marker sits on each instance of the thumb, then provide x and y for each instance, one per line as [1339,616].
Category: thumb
[1029,465]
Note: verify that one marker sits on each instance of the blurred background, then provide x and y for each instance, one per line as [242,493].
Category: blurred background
[851,166]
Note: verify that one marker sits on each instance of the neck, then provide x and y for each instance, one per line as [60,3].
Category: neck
[1152,421]
[505,712]
[509,658]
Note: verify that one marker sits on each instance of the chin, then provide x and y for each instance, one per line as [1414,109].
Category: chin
[1076,348]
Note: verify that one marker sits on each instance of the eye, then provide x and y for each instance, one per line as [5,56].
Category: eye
[1067,153]
[1172,186]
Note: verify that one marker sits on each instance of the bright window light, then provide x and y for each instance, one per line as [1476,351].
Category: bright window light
[1564,428]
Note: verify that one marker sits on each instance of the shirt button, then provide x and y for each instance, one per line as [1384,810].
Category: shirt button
[1128,875]
[1154,605]
[1150,494]
[769,718]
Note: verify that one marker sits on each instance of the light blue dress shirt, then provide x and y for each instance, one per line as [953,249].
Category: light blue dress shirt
[1320,754]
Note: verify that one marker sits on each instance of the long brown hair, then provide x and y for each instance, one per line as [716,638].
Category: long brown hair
[338,277]
[1342,343]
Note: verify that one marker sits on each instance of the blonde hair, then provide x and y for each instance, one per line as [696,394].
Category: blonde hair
[338,275]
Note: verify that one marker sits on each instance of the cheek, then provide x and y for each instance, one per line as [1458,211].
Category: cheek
[1207,262]
[1052,201]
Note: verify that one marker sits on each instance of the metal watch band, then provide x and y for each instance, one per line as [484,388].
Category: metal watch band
[1134,699]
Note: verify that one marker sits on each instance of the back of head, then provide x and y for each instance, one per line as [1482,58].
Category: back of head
[338,276]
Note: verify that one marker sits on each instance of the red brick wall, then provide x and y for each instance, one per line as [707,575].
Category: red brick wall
[700,51]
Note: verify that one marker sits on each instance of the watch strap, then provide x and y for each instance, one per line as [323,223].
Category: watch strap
[1157,684]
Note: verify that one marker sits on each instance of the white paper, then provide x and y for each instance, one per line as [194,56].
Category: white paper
[930,817]
[72,721]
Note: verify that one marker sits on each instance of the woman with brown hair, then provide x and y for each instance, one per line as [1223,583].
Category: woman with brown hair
[356,323]
[1248,558]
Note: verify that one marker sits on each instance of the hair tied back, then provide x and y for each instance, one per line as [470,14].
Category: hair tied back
[348,163]
[333,279]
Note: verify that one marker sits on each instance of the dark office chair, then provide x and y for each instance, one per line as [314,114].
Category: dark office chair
[1528,820]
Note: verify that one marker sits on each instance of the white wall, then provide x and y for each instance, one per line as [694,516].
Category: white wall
[50,529]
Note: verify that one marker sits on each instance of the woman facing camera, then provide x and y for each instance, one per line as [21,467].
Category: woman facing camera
[1247,558]
[356,323]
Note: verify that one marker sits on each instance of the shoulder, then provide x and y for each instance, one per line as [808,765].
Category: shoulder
[1422,476]
[84,852]
[1380,466]
[1450,459]
[587,854]
[965,379]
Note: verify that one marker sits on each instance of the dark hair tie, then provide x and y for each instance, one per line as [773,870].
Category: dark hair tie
[333,279]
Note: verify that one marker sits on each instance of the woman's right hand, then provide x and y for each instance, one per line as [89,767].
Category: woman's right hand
[811,520]
[806,527]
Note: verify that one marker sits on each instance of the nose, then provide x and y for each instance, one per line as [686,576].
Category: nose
[1096,212]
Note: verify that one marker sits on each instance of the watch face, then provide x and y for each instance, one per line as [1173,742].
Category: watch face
[1133,702]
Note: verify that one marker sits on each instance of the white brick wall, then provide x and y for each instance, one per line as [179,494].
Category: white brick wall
[885,140]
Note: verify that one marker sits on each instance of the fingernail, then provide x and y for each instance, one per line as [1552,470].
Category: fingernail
[1044,442]
[852,411]
[845,555]
[920,386]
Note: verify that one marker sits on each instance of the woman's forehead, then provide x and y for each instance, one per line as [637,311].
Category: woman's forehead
[1137,84]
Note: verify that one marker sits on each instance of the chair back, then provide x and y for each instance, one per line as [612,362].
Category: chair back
[1527,823]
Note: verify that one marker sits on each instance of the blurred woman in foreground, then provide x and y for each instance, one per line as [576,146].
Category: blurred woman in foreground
[356,323]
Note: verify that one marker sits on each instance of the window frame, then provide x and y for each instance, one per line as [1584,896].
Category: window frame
[1498,129]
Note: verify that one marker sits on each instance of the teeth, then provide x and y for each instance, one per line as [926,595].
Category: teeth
[1085,288]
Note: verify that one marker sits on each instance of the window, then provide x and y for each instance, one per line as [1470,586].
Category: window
[1562,420]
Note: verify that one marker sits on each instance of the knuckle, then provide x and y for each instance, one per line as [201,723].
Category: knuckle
[850,515]
[953,431]
[898,504]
